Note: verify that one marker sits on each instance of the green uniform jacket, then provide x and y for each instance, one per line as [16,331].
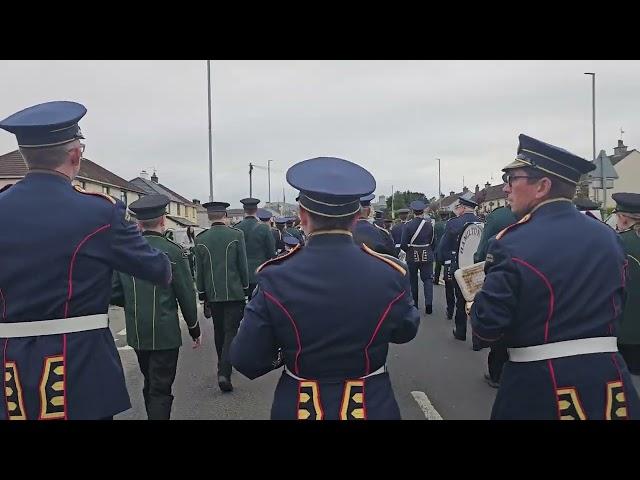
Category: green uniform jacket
[629,332]
[259,243]
[151,312]
[497,220]
[438,231]
[221,263]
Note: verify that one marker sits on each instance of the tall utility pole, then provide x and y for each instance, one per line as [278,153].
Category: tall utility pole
[593,118]
[210,140]
[250,182]
[439,184]
[393,214]
[269,176]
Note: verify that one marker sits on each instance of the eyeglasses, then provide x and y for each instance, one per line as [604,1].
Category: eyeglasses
[510,178]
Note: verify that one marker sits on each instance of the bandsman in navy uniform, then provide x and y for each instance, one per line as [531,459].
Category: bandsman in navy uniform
[378,218]
[553,295]
[293,230]
[373,236]
[258,239]
[281,223]
[417,237]
[222,277]
[290,242]
[396,230]
[499,219]
[331,325]
[58,249]
[438,231]
[151,312]
[448,255]
[388,223]
[628,225]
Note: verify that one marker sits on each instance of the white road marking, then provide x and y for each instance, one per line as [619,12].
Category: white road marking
[425,404]
[122,332]
[126,347]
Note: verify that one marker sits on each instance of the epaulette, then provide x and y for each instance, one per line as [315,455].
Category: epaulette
[384,258]
[295,249]
[183,251]
[174,242]
[502,232]
[205,230]
[103,195]
[236,229]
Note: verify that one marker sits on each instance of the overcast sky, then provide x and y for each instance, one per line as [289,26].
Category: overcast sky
[392,117]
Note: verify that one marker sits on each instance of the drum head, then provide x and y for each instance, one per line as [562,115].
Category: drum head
[468,243]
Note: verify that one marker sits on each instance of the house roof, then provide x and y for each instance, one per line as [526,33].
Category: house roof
[490,194]
[182,221]
[12,165]
[150,186]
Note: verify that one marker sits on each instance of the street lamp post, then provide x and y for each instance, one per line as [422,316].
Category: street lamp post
[269,177]
[210,140]
[439,184]
[593,104]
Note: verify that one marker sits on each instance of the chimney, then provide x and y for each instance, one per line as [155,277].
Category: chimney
[477,188]
[441,196]
[487,185]
[621,149]
[144,174]
[196,201]
[452,193]
[154,177]
[465,189]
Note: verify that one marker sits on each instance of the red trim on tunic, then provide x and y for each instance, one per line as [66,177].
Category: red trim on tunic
[375,332]
[73,259]
[551,295]
[295,328]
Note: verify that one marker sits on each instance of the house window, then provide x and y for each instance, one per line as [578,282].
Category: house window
[178,209]
[123,197]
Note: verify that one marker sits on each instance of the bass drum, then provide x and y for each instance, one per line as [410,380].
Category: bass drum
[468,243]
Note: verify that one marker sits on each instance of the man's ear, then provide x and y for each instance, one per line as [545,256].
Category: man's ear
[544,187]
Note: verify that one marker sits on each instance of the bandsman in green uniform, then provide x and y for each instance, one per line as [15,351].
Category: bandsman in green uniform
[628,225]
[222,277]
[499,219]
[258,239]
[151,312]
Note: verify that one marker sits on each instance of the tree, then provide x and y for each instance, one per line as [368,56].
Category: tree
[403,199]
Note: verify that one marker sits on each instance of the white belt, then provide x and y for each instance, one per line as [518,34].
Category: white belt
[414,245]
[569,348]
[379,371]
[447,262]
[398,245]
[54,327]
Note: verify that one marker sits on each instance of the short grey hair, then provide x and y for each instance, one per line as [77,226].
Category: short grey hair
[150,223]
[48,158]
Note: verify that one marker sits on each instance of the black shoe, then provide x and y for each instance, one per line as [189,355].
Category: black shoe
[458,337]
[491,382]
[225,383]
[449,316]
[476,348]
[429,309]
